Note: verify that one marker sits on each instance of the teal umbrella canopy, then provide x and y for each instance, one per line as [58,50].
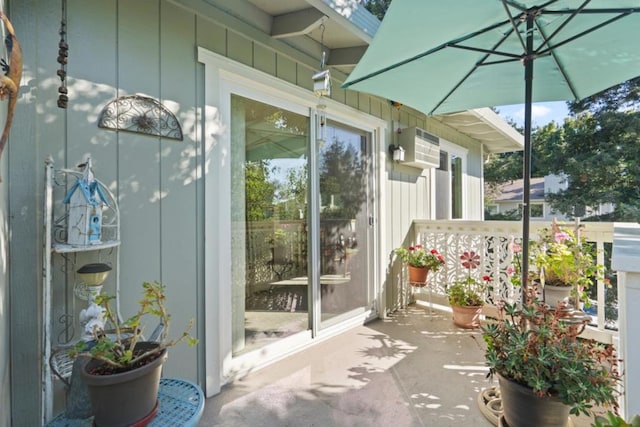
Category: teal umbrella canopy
[444,56]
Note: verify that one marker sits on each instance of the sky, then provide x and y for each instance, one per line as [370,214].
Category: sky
[541,114]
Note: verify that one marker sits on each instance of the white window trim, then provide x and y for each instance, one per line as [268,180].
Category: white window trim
[463,153]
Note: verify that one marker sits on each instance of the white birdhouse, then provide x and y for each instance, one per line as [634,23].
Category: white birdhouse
[86,199]
[322,83]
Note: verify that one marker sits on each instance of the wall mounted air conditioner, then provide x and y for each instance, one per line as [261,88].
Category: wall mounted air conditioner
[421,148]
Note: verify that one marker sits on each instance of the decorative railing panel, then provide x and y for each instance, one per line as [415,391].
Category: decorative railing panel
[491,239]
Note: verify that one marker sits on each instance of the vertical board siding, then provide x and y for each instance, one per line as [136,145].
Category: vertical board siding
[264,59]
[24,178]
[239,48]
[303,77]
[139,164]
[211,36]
[286,69]
[177,181]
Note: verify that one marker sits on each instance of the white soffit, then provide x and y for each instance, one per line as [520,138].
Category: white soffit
[484,125]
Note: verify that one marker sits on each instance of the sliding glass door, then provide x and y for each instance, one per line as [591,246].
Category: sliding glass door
[273,286]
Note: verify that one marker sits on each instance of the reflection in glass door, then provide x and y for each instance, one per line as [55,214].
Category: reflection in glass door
[345,222]
[271,277]
[269,147]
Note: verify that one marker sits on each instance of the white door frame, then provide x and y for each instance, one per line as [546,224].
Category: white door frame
[222,77]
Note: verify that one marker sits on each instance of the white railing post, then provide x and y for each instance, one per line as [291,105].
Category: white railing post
[626,260]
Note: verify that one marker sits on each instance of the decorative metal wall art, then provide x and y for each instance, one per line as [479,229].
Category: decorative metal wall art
[140,114]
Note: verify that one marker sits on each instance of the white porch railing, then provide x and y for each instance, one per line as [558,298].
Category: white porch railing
[490,239]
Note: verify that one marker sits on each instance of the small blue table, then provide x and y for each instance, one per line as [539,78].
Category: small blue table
[181,405]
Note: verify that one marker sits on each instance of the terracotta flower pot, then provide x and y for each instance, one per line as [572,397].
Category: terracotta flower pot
[466,316]
[418,276]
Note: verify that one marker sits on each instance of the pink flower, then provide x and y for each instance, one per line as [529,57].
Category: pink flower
[562,236]
[470,259]
[511,270]
[418,246]
[434,251]
[515,248]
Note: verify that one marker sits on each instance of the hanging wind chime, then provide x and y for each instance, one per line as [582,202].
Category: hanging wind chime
[322,88]
[63,55]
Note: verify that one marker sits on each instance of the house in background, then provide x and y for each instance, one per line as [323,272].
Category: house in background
[229,215]
[509,199]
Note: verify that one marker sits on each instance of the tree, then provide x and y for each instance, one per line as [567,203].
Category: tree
[259,191]
[504,167]
[622,97]
[343,178]
[599,155]
[377,7]
[597,148]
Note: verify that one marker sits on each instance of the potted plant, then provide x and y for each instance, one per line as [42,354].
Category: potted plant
[544,369]
[123,374]
[567,264]
[420,261]
[466,296]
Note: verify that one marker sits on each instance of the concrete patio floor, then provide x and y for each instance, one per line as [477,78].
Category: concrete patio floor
[414,369]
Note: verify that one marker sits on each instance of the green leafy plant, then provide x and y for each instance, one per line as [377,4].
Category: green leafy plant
[539,349]
[418,256]
[613,420]
[468,291]
[116,348]
[565,258]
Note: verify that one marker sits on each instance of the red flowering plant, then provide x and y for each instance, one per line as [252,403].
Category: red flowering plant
[469,291]
[420,257]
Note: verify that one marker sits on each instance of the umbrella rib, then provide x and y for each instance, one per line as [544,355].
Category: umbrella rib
[553,54]
[488,52]
[451,43]
[588,31]
[574,13]
[537,9]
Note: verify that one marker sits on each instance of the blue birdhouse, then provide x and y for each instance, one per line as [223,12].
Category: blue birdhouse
[86,200]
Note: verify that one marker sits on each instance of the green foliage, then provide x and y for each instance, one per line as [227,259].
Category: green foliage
[259,191]
[566,259]
[377,7]
[600,153]
[598,148]
[536,348]
[510,215]
[291,197]
[613,420]
[468,291]
[418,256]
[342,175]
[117,349]
[624,96]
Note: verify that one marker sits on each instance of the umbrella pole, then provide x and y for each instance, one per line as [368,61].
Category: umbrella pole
[526,192]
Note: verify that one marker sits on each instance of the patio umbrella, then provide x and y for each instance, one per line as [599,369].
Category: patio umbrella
[445,56]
